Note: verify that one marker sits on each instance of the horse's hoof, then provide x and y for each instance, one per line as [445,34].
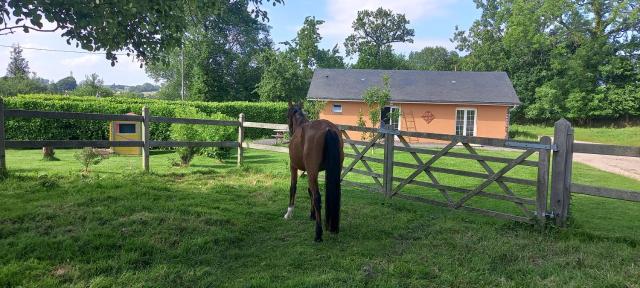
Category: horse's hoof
[288,214]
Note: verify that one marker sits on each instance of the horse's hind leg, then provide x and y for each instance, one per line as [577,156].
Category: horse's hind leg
[312,213]
[317,203]
[292,192]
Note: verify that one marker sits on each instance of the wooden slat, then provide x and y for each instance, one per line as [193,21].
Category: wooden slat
[17,113]
[159,119]
[228,144]
[602,149]
[606,192]
[542,187]
[514,199]
[498,215]
[493,177]
[359,156]
[369,188]
[358,128]
[467,156]
[364,162]
[502,186]
[265,147]
[366,173]
[491,213]
[266,125]
[449,171]
[425,165]
[71,143]
[419,161]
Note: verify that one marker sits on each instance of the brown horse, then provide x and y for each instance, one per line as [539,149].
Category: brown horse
[316,146]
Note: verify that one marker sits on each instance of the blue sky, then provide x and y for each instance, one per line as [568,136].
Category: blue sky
[433,21]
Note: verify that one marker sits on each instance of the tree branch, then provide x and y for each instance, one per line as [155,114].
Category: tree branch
[10,29]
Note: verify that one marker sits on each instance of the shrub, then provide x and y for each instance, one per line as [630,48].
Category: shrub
[42,129]
[87,157]
[189,132]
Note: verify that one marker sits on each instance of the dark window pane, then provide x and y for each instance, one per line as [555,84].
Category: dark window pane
[126,128]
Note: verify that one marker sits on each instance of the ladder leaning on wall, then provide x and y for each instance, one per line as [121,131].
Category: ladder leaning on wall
[410,125]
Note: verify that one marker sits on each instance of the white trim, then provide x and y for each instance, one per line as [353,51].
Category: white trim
[422,102]
[399,114]
[464,127]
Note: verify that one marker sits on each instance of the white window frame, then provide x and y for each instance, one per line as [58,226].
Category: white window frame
[333,107]
[399,114]
[464,125]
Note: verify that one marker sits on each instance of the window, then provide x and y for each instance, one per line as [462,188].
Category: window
[126,128]
[466,122]
[390,115]
[337,108]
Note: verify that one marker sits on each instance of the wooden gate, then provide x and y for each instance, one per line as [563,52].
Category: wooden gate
[531,205]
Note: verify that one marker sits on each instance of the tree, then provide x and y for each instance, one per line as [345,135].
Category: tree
[282,78]
[287,74]
[92,85]
[434,59]
[558,54]
[66,84]
[375,31]
[18,66]
[143,28]
[387,59]
[220,55]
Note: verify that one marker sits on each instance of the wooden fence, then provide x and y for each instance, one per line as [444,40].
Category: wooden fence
[535,208]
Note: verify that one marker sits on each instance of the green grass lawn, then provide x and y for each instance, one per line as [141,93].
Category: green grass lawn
[629,136]
[212,225]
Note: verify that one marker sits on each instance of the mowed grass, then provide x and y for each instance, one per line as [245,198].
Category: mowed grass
[628,136]
[215,225]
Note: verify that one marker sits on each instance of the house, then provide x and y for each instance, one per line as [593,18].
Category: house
[444,102]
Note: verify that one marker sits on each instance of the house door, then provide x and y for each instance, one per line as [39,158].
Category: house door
[391,115]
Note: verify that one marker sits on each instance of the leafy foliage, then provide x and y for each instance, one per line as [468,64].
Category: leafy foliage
[374,32]
[18,66]
[434,59]
[43,129]
[220,54]
[152,27]
[377,98]
[565,58]
[93,85]
[189,132]
[88,157]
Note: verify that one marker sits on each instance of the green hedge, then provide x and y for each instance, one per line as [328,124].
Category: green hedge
[42,129]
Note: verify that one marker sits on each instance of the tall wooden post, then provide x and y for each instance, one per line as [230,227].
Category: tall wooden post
[388,160]
[561,171]
[543,180]
[240,138]
[3,163]
[145,138]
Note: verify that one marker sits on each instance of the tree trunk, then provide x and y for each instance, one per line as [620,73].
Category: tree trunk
[48,153]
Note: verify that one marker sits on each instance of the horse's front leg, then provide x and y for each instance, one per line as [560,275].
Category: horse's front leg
[317,203]
[292,192]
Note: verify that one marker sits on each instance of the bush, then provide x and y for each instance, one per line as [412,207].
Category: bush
[87,157]
[42,129]
[189,132]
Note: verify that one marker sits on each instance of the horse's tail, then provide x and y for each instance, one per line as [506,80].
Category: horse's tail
[332,180]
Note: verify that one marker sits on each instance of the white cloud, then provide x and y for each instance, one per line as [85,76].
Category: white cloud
[342,13]
[89,59]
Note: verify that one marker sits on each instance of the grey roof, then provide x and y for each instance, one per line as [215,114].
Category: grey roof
[416,86]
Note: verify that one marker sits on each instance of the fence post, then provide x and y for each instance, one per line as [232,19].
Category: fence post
[388,160]
[3,163]
[145,138]
[561,171]
[240,138]
[543,180]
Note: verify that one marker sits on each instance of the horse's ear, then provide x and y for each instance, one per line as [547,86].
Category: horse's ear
[290,104]
[301,104]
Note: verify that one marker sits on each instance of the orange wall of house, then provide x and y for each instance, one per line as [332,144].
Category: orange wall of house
[491,121]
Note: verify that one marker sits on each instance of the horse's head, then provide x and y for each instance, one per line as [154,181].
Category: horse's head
[295,115]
